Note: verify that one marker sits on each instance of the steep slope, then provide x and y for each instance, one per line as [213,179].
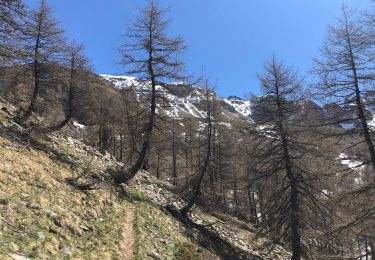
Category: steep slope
[241,236]
[44,216]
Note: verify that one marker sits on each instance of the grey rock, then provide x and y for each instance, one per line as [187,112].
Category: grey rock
[41,236]
[154,255]
[18,257]
[66,251]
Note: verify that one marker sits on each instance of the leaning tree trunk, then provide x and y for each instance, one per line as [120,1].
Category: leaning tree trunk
[197,188]
[125,176]
[361,113]
[36,72]
[32,105]
[68,115]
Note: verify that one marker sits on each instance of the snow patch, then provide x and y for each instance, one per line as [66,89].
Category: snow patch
[241,106]
[354,165]
[78,125]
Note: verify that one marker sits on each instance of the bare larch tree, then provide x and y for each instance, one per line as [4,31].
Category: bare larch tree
[42,45]
[153,57]
[346,71]
[75,67]
[284,162]
[278,83]
[12,14]
[208,150]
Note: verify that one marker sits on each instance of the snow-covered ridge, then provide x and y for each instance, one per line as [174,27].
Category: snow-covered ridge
[172,105]
[240,105]
[178,99]
[121,81]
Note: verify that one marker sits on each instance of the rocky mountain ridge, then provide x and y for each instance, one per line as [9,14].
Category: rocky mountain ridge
[181,100]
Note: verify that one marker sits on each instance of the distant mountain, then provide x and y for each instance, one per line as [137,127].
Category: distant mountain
[181,100]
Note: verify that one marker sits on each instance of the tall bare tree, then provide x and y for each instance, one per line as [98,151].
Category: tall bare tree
[207,158]
[292,207]
[12,13]
[75,68]
[278,83]
[153,57]
[42,45]
[346,70]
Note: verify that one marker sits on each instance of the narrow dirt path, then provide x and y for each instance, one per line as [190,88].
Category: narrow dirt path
[127,247]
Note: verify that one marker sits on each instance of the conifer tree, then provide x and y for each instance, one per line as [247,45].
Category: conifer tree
[283,161]
[151,55]
[42,45]
[12,14]
[346,70]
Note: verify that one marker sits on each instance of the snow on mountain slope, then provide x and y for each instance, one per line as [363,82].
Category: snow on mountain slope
[180,100]
[121,81]
[371,122]
[172,105]
[240,105]
[356,166]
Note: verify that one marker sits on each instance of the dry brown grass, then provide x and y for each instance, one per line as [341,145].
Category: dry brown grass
[42,216]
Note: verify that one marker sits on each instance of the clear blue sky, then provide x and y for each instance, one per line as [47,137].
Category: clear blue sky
[228,40]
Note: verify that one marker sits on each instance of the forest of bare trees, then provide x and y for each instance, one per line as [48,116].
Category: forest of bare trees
[288,170]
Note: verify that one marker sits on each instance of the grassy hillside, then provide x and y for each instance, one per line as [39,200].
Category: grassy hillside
[42,216]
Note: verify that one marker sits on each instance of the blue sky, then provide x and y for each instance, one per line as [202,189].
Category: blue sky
[228,40]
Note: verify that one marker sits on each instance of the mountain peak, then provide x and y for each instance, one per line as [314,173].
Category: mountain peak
[235,98]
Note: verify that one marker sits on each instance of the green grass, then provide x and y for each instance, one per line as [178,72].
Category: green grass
[137,242]
[43,217]
[157,233]
[136,196]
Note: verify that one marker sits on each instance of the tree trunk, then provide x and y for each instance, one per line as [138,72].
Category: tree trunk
[252,205]
[32,105]
[36,74]
[358,101]
[293,199]
[121,153]
[158,168]
[197,188]
[174,156]
[126,175]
